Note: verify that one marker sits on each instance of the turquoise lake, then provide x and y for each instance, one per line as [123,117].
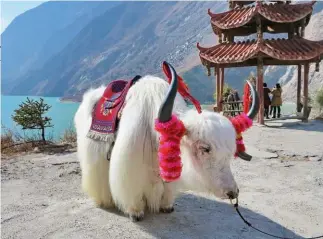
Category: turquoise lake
[62,113]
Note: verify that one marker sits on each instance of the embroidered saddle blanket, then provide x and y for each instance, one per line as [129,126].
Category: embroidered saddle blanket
[107,111]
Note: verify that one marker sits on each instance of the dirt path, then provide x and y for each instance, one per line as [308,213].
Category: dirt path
[281,192]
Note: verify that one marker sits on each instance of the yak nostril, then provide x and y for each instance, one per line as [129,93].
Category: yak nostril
[232,195]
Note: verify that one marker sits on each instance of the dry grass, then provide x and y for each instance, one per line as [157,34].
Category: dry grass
[69,136]
[13,143]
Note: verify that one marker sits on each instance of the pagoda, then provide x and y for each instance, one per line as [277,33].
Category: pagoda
[257,17]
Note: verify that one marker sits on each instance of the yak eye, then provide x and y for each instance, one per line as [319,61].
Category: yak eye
[205,149]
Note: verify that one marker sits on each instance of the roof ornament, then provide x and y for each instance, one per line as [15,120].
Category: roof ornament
[258,3]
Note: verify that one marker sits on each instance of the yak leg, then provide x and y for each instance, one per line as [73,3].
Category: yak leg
[127,178]
[129,166]
[168,198]
[95,172]
[92,154]
[153,195]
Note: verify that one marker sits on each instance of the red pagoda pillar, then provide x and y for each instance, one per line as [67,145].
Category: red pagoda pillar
[299,87]
[260,82]
[305,103]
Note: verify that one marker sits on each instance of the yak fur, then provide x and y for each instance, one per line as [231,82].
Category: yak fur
[130,180]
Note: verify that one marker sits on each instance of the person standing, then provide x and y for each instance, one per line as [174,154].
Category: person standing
[266,100]
[276,100]
[271,107]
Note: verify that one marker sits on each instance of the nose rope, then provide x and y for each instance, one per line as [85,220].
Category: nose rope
[236,204]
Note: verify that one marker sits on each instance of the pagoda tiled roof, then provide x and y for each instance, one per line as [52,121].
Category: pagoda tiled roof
[245,2]
[295,49]
[278,13]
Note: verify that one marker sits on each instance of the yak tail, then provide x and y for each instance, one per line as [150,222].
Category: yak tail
[84,112]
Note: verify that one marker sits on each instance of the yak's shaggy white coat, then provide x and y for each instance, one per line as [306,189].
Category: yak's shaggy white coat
[130,179]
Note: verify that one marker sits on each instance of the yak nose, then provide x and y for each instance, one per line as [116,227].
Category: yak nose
[233,195]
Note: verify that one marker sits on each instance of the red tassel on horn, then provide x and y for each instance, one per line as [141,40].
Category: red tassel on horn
[241,123]
[183,89]
[246,98]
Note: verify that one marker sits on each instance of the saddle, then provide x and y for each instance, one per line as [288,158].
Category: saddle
[107,111]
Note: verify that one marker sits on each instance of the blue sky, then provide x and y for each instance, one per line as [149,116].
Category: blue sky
[10,9]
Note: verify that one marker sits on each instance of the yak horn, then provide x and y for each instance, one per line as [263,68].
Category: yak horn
[165,110]
[255,102]
[244,156]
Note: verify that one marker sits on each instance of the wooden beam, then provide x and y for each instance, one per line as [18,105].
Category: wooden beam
[305,103]
[267,26]
[217,86]
[303,23]
[233,111]
[260,34]
[266,62]
[299,87]
[233,102]
[260,81]
[221,87]
[291,31]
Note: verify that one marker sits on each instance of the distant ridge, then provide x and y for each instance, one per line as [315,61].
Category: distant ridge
[93,43]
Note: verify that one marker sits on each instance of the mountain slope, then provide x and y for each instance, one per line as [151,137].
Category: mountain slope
[111,40]
[36,35]
[131,38]
[314,31]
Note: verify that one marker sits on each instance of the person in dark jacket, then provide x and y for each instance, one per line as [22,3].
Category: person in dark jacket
[266,100]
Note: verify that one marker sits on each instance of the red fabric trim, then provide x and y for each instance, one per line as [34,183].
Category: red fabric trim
[182,88]
[246,98]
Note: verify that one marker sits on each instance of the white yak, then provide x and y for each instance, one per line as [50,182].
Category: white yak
[130,180]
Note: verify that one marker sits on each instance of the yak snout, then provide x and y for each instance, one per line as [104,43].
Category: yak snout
[225,187]
[230,192]
[233,194]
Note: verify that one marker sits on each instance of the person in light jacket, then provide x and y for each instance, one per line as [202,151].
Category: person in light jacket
[277,101]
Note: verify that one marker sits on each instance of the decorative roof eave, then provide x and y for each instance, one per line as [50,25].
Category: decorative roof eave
[273,12]
[225,52]
[245,2]
[296,49]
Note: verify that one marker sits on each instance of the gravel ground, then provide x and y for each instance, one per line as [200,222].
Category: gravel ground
[281,192]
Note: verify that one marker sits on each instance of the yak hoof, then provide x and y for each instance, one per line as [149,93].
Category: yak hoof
[167,209]
[104,205]
[137,217]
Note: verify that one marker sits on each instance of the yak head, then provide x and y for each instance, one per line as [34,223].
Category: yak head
[207,146]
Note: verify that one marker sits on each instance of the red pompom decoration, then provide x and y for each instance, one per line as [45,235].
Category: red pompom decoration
[241,123]
[183,89]
[171,133]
